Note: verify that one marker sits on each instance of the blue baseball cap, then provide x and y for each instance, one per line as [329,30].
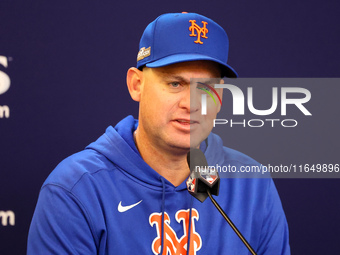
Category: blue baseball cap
[180,37]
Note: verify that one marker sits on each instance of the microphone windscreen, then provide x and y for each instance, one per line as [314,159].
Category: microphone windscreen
[196,158]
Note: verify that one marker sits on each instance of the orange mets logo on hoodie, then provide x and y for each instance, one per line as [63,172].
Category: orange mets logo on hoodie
[172,244]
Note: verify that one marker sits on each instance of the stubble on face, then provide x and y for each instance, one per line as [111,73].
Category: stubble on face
[167,120]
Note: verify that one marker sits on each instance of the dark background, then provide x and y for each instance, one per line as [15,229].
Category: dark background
[67,62]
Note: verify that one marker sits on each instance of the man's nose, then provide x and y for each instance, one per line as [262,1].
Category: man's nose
[191,100]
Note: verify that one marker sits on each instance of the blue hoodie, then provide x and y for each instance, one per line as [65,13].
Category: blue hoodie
[107,200]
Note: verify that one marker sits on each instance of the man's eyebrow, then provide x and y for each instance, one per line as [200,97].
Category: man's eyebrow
[176,78]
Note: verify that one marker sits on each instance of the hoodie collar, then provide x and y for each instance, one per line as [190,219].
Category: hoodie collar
[118,146]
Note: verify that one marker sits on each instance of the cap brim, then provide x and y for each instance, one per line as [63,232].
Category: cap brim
[227,71]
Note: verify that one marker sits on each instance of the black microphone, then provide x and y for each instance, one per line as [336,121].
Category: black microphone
[202,177]
[204,181]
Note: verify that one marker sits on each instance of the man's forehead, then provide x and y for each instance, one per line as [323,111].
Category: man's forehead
[187,79]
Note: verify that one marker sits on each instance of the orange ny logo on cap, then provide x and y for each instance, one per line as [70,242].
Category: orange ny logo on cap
[200,30]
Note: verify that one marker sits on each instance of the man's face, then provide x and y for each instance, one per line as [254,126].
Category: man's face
[170,108]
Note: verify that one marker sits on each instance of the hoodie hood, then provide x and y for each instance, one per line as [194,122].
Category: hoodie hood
[117,145]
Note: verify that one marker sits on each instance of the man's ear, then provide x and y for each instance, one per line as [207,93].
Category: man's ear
[134,79]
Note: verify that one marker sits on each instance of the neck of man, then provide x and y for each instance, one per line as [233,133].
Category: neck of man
[169,163]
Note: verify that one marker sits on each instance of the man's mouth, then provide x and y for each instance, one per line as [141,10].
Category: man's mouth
[186,122]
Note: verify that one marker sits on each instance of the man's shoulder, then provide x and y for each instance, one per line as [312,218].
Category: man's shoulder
[72,169]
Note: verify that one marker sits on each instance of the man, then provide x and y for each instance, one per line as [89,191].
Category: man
[126,192]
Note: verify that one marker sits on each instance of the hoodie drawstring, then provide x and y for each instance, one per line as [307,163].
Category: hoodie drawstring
[163,211]
[189,228]
[163,223]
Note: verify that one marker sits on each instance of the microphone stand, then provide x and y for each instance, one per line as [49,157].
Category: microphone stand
[225,216]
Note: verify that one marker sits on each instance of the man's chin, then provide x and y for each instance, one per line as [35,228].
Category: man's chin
[183,143]
[179,149]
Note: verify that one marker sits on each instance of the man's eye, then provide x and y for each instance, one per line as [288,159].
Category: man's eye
[203,86]
[174,84]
